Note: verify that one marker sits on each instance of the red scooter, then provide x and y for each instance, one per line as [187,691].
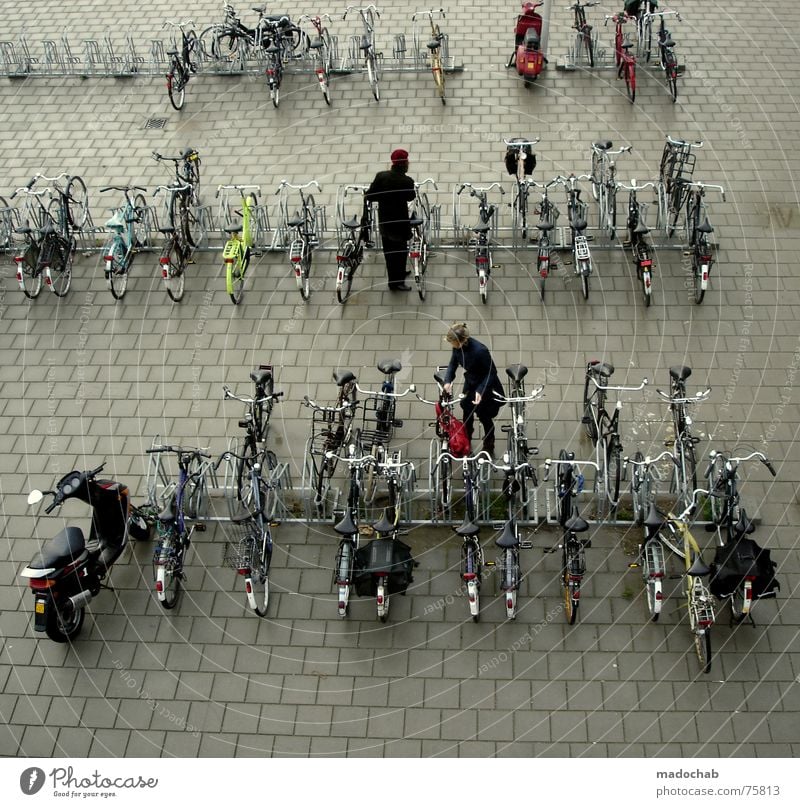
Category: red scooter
[528,56]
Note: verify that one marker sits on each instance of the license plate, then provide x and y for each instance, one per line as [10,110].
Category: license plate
[40,607]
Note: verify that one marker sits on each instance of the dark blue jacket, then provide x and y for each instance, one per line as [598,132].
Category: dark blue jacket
[480,373]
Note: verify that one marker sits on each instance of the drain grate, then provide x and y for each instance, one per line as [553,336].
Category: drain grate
[155,123]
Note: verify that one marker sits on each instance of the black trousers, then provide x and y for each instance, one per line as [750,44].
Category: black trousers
[396,255]
[486,418]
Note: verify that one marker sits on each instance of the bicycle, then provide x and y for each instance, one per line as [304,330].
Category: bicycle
[9,221]
[256,425]
[174,538]
[129,227]
[239,247]
[231,38]
[350,253]
[548,216]
[305,236]
[250,555]
[284,39]
[637,230]
[644,27]
[321,49]
[683,443]
[481,241]
[367,46]
[520,157]
[604,183]
[573,563]
[698,230]
[645,478]
[584,39]
[509,541]
[33,218]
[567,483]
[176,252]
[675,172]
[653,562]
[576,213]
[184,203]
[419,247]
[518,450]
[183,62]
[602,428]
[435,44]
[624,60]
[379,419]
[331,431]
[667,59]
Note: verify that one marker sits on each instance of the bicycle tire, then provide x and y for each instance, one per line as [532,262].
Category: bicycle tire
[172,270]
[647,36]
[672,81]
[611,210]
[116,268]
[60,271]
[590,427]
[630,82]
[259,576]
[446,482]
[29,272]
[305,273]
[140,230]
[168,571]
[689,462]
[176,86]
[319,476]
[472,565]
[234,275]
[373,75]
[570,587]
[596,175]
[738,598]
[345,271]
[584,273]
[563,502]
[542,280]
[702,644]
[77,202]
[614,471]
[589,47]
[6,222]
[652,581]
[193,50]
[699,267]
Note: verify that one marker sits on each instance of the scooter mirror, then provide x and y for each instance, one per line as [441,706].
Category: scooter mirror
[35,496]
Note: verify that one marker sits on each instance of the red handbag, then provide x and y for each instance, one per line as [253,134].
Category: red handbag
[448,425]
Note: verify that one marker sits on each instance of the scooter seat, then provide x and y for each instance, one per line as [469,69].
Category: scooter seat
[508,538]
[343,378]
[532,40]
[61,550]
[389,366]
[516,372]
[261,376]
[680,372]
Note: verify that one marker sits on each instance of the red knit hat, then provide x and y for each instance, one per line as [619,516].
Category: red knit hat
[399,156]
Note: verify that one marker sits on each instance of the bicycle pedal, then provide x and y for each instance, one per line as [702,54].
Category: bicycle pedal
[489,563]
[505,429]
[526,544]
[398,424]
[200,527]
[550,550]
[587,543]
[498,525]
[669,443]
[585,419]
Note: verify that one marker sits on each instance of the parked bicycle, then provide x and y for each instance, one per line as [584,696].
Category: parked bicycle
[520,162]
[239,247]
[578,222]
[33,218]
[248,549]
[434,47]
[684,442]
[637,232]
[321,50]
[508,541]
[304,235]
[285,41]
[675,172]
[568,482]
[331,433]
[176,252]
[184,200]
[518,449]
[573,563]
[9,221]
[699,228]
[644,27]
[184,60]
[231,38]
[602,428]
[372,59]
[350,254]
[174,535]
[481,241]
[548,216]
[584,38]
[604,183]
[623,58]
[129,226]
[667,59]
[645,478]
[419,247]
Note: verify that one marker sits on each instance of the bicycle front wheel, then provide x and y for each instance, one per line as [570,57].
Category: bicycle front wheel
[584,268]
[672,81]
[630,82]
[572,588]
[59,273]
[234,275]
[373,75]
[438,79]
[700,272]
[344,276]
[176,85]
[29,274]
[653,571]
[172,270]
[588,412]
[258,581]
[688,469]
[305,273]
[702,646]
[77,202]
[613,472]
[588,47]
[116,269]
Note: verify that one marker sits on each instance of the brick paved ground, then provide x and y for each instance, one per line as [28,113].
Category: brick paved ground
[88,379]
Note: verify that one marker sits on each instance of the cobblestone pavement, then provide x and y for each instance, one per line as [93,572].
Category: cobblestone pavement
[85,379]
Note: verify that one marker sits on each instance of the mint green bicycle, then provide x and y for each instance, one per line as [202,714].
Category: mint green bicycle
[241,235]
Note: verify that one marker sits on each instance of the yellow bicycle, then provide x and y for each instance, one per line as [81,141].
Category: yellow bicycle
[437,42]
[241,235]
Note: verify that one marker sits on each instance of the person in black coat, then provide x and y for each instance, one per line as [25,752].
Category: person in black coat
[480,382]
[393,190]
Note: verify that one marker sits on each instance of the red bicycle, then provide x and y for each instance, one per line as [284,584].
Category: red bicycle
[624,60]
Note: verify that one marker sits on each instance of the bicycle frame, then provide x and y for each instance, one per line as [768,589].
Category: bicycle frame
[519,205]
[237,250]
[548,215]
[434,47]
[625,61]
[121,248]
[583,31]
[576,213]
[481,239]
[637,230]
[604,186]
[568,482]
[320,50]
[419,246]
[367,45]
[667,59]
[304,235]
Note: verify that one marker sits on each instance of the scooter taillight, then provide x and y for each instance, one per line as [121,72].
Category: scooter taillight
[41,583]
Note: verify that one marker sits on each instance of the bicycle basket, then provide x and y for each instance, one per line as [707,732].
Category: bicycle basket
[241,549]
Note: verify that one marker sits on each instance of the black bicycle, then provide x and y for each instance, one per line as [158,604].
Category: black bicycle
[184,59]
[184,202]
[573,564]
[350,253]
[637,234]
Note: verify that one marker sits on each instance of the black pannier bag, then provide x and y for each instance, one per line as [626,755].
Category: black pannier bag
[383,555]
[511,159]
[738,559]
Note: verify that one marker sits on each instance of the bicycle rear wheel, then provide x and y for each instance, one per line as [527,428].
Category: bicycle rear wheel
[305,273]
[258,580]
[59,272]
[571,586]
[373,74]
[653,572]
[172,270]
[588,46]
[344,274]
[116,268]
[584,269]
[702,646]
[588,413]
[176,85]
[700,272]
[77,202]
[234,276]
[672,81]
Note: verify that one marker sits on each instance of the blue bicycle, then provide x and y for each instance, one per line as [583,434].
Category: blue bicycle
[129,227]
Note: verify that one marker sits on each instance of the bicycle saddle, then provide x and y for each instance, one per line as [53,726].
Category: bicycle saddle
[295,221]
[353,224]
[346,526]
[259,9]
[384,525]
[261,376]
[667,43]
[168,513]
[343,378]
[627,45]
[365,44]
[317,43]
[698,568]
[233,228]
[279,19]
[579,225]
[545,226]
[389,366]
[483,227]
[680,372]
[23,230]
[653,521]
[272,48]
[576,524]
[744,526]
[641,228]
[602,368]
[603,145]
[172,53]
[433,44]
[516,372]
[508,537]
[189,153]
[166,230]
[468,529]
[415,220]
[705,227]
[48,228]
[439,376]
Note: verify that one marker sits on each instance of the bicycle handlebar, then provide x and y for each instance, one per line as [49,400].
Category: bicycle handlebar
[591,377]
[311,18]
[571,179]
[692,144]
[521,142]
[474,189]
[620,18]
[549,462]
[431,180]
[738,460]
[702,186]
[412,388]
[198,452]
[665,13]
[171,188]
[481,456]
[700,396]
[256,188]
[537,393]
[29,190]
[50,179]
[620,150]
[314,405]
[581,5]
[544,185]
[451,403]
[177,24]
[430,12]
[286,184]
[361,10]
[634,187]
[228,393]
[504,466]
[651,460]
[123,188]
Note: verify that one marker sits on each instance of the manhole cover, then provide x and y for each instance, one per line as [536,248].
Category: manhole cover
[155,123]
